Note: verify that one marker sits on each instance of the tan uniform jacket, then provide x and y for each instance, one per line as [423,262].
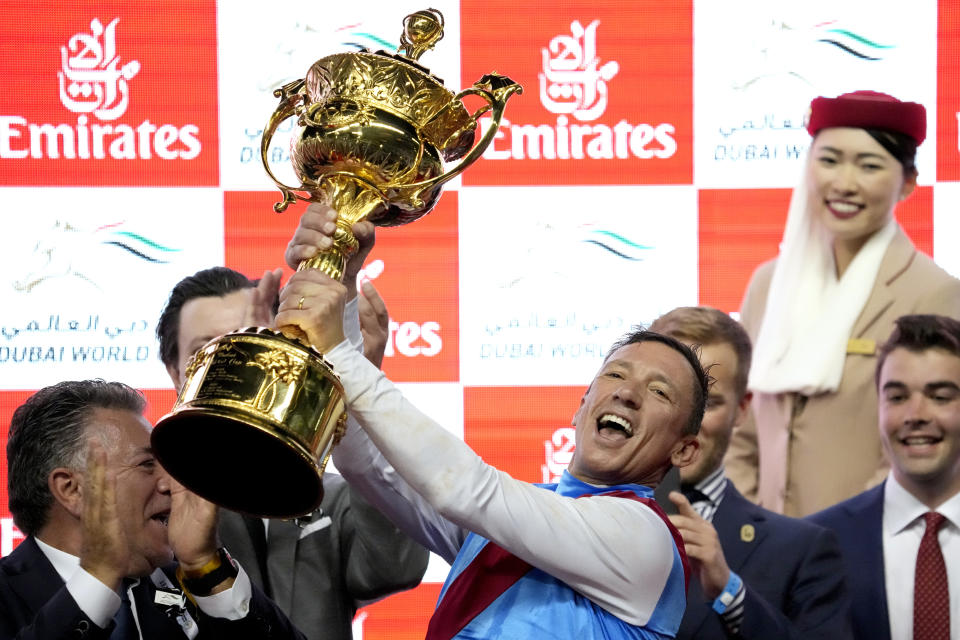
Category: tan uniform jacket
[801,454]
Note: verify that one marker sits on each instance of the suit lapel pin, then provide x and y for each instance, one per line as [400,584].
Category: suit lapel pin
[748,533]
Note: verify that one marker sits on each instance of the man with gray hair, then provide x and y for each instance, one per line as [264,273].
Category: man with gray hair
[104,522]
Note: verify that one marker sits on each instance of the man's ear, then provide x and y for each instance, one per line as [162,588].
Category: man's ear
[743,409]
[65,485]
[686,452]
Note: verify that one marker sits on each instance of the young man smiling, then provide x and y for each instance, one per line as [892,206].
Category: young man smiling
[901,540]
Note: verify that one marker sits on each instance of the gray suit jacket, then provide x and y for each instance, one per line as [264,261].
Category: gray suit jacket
[348,553]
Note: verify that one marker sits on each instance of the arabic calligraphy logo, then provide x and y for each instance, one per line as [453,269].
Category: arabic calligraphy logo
[573,81]
[854,44]
[58,252]
[91,78]
[616,244]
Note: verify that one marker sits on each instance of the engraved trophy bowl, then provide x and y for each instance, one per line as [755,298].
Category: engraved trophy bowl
[254,424]
[260,410]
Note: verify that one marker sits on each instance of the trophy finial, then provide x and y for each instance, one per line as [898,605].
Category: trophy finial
[421,31]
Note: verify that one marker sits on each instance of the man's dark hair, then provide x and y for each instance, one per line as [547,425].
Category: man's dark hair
[701,380]
[49,431]
[215,282]
[706,326]
[919,333]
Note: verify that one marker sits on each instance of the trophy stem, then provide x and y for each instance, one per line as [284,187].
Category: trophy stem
[354,199]
[333,261]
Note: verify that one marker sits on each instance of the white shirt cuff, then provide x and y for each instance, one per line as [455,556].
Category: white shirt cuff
[98,601]
[232,604]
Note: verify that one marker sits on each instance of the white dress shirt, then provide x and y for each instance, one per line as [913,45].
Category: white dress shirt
[903,528]
[100,603]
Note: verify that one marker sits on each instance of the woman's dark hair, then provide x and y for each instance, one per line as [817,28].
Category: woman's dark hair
[899,145]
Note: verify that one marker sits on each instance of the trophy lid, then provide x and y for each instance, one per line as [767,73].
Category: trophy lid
[397,83]
[422,30]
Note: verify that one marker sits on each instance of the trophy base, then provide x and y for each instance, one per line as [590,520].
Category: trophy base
[256,419]
[241,467]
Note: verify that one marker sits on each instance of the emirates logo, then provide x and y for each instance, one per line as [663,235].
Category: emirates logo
[92,79]
[573,81]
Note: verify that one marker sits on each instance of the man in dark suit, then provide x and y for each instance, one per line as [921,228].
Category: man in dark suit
[901,540]
[347,552]
[759,574]
[104,522]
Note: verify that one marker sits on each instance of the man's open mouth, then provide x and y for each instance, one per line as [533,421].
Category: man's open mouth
[615,422]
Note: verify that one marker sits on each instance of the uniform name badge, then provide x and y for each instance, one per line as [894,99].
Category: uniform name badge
[862,346]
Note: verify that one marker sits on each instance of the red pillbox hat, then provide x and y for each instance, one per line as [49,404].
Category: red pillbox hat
[868,110]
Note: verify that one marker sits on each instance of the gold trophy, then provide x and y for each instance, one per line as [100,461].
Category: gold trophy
[260,411]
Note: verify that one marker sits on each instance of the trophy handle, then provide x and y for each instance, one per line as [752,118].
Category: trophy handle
[291,101]
[496,90]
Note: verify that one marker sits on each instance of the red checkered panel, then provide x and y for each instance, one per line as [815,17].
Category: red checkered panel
[647,164]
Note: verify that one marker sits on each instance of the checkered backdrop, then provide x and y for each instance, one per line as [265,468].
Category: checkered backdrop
[129,137]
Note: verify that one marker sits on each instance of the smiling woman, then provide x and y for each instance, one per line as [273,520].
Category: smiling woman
[853,184]
[845,272]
